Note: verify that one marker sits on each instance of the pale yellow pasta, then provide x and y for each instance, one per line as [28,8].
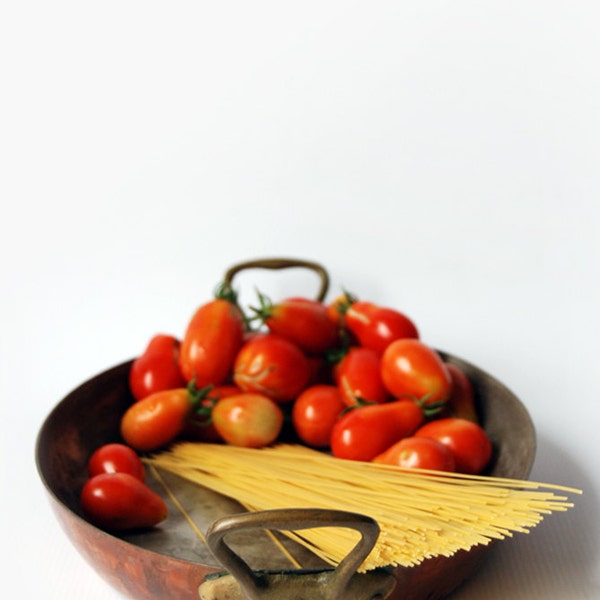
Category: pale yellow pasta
[421,513]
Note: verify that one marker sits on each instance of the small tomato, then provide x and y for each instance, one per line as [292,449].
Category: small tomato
[418,453]
[377,326]
[272,365]
[157,419]
[212,339]
[410,367]
[301,320]
[359,377]
[250,420]
[116,458]
[157,368]
[315,412]
[468,442]
[120,501]
[366,431]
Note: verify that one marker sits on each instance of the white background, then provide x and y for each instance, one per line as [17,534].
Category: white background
[439,157]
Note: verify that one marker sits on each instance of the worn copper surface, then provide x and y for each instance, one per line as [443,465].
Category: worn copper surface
[172,560]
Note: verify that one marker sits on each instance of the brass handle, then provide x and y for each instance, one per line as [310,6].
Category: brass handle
[331,584]
[282,263]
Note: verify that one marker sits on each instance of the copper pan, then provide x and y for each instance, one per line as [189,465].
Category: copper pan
[174,559]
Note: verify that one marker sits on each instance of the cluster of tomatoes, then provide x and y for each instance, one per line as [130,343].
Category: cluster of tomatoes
[115,495]
[350,377]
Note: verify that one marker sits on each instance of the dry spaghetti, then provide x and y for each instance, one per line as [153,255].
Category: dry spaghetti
[421,513]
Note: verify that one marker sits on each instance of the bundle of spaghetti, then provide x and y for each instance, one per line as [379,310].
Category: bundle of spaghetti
[420,513]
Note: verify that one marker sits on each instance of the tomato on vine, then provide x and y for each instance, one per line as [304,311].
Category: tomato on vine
[315,412]
[161,417]
[301,320]
[212,339]
[418,453]
[156,420]
[468,442]
[377,326]
[359,377]
[250,420]
[410,367]
[271,364]
[366,431]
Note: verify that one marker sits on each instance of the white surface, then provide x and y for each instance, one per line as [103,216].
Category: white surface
[440,157]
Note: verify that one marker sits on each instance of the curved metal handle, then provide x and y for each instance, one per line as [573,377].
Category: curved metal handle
[291,520]
[282,263]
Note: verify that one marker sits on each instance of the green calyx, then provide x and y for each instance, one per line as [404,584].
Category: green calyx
[202,404]
[432,409]
[263,311]
[224,291]
[345,302]
[358,403]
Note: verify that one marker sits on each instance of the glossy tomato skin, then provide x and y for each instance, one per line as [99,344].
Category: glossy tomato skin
[410,367]
[315,412]
[157,368]
[367,431]
[249,420]
[377,326]
[156,420]
[461,402]
[359,377]
[468,442]
[272,365]
[418,453]
[120,501]
[303,321]
[116,458]
[212,339]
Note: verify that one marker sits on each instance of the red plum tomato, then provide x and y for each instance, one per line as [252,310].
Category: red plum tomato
[301,320]
[418,453]
[157,419]
[366,431]
[116,458]
[410,367]
[359,377]
[377,326]
[272,365]
[212,339]
[157,368]
[315,412]
[249,420]
[468,442]
[120,501]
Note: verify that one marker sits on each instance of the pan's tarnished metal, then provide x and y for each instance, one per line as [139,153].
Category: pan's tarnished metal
[326,584]
[173,560]
[282,263]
